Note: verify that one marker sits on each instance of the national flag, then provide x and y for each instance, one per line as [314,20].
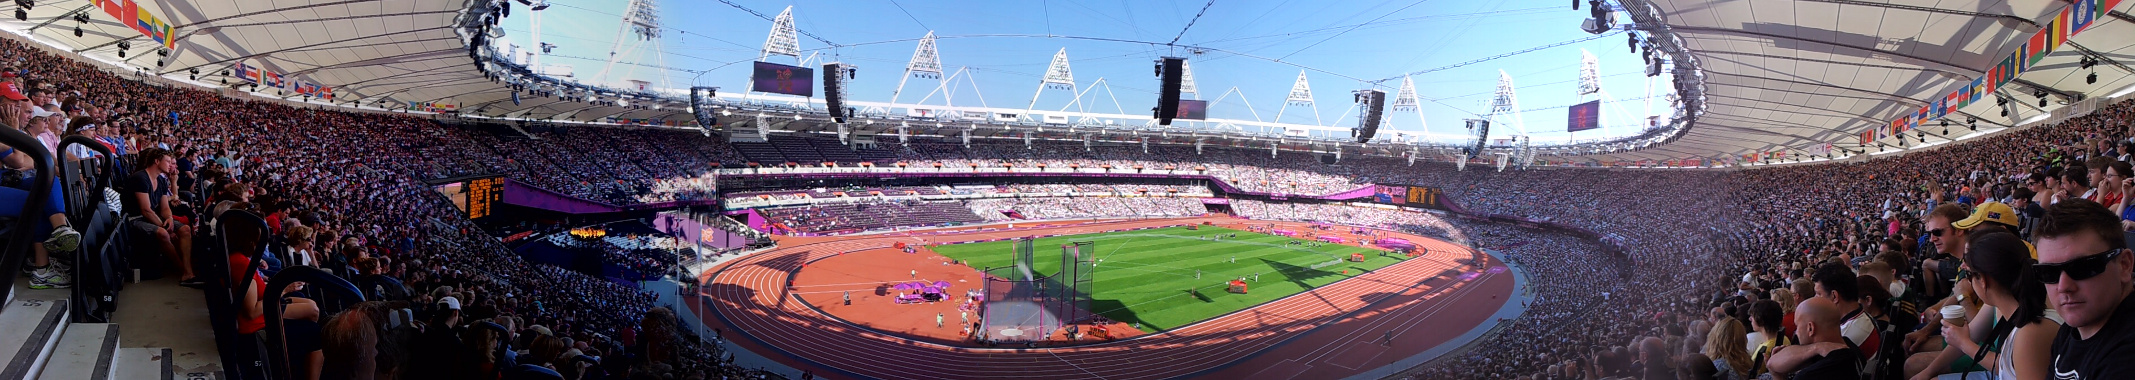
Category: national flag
[2006,71]
[244,71]
[2060,26]
[2080,14]
[1976,90]
[329,91]
[2038,47]
[112,8]
[2051,35]
[125,11]
[155,29]
[270,79]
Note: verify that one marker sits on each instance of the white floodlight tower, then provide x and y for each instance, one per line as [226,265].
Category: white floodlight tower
[1186,80]
[1505,106]
[1589,75]
[1301,96]
[1057,77]
[1406,101]
[925,64]
[640,28]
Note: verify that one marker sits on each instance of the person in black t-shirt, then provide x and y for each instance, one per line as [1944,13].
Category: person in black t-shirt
[146,199]
[1824,353]
[2090,278]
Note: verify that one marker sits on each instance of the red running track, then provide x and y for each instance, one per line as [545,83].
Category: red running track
[1333,331]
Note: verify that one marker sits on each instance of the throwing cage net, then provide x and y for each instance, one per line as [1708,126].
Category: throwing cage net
[1025,302]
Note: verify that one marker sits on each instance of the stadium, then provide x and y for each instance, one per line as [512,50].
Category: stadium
[637,189]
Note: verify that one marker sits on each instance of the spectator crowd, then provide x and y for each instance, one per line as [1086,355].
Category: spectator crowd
[1857,262]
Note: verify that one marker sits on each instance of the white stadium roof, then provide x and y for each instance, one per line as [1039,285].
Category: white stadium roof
[1784,75]
[367,51]
[1777,75]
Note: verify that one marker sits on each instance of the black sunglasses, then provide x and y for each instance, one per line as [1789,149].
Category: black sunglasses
[2078,269]
[1937,232]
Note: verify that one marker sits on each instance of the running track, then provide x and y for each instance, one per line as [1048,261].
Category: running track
[1332,331]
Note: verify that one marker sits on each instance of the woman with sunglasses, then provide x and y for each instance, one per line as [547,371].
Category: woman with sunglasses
[2020,344]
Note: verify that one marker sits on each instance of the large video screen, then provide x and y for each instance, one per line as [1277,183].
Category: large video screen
[1390,194]
[1584,116]
[782,79]
[1411,196]
[1193,109]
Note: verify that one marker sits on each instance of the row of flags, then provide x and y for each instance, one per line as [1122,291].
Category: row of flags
[649,122]
[2079,15]
[433,107]
[271,79]
[140,20]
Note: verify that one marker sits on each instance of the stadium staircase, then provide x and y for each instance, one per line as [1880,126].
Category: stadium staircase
[38,335]
[69,333]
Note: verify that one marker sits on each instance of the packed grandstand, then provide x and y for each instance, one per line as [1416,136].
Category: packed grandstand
[614,251]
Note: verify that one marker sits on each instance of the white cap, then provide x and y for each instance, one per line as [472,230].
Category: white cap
[449,303]
[40,112]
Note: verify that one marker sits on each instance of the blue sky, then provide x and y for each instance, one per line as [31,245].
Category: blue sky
[1002,46]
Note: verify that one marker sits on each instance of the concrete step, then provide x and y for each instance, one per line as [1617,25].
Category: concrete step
[144,364]
[85,351]
[29,329]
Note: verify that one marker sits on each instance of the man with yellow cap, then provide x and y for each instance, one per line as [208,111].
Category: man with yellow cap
[1989,217]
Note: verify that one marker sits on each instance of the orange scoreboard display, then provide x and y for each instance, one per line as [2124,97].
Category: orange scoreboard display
[1425,197]
[482,196]
[1409,196]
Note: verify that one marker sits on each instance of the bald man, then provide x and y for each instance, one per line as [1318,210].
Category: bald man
[1823,353]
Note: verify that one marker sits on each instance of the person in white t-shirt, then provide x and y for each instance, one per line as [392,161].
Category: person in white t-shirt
[1838,283]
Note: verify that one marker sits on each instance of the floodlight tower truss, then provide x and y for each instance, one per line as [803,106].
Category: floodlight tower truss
[1186,81]
[783,39]
[1589,75]
[1058,76]
[1406,100]
[1505,106]
[925,64]
[1300,96]
[640,31]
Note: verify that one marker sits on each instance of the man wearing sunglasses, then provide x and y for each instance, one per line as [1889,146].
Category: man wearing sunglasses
[1949,243]
[2089,277]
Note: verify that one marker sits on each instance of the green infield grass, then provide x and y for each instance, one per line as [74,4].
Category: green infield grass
[1143,277]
